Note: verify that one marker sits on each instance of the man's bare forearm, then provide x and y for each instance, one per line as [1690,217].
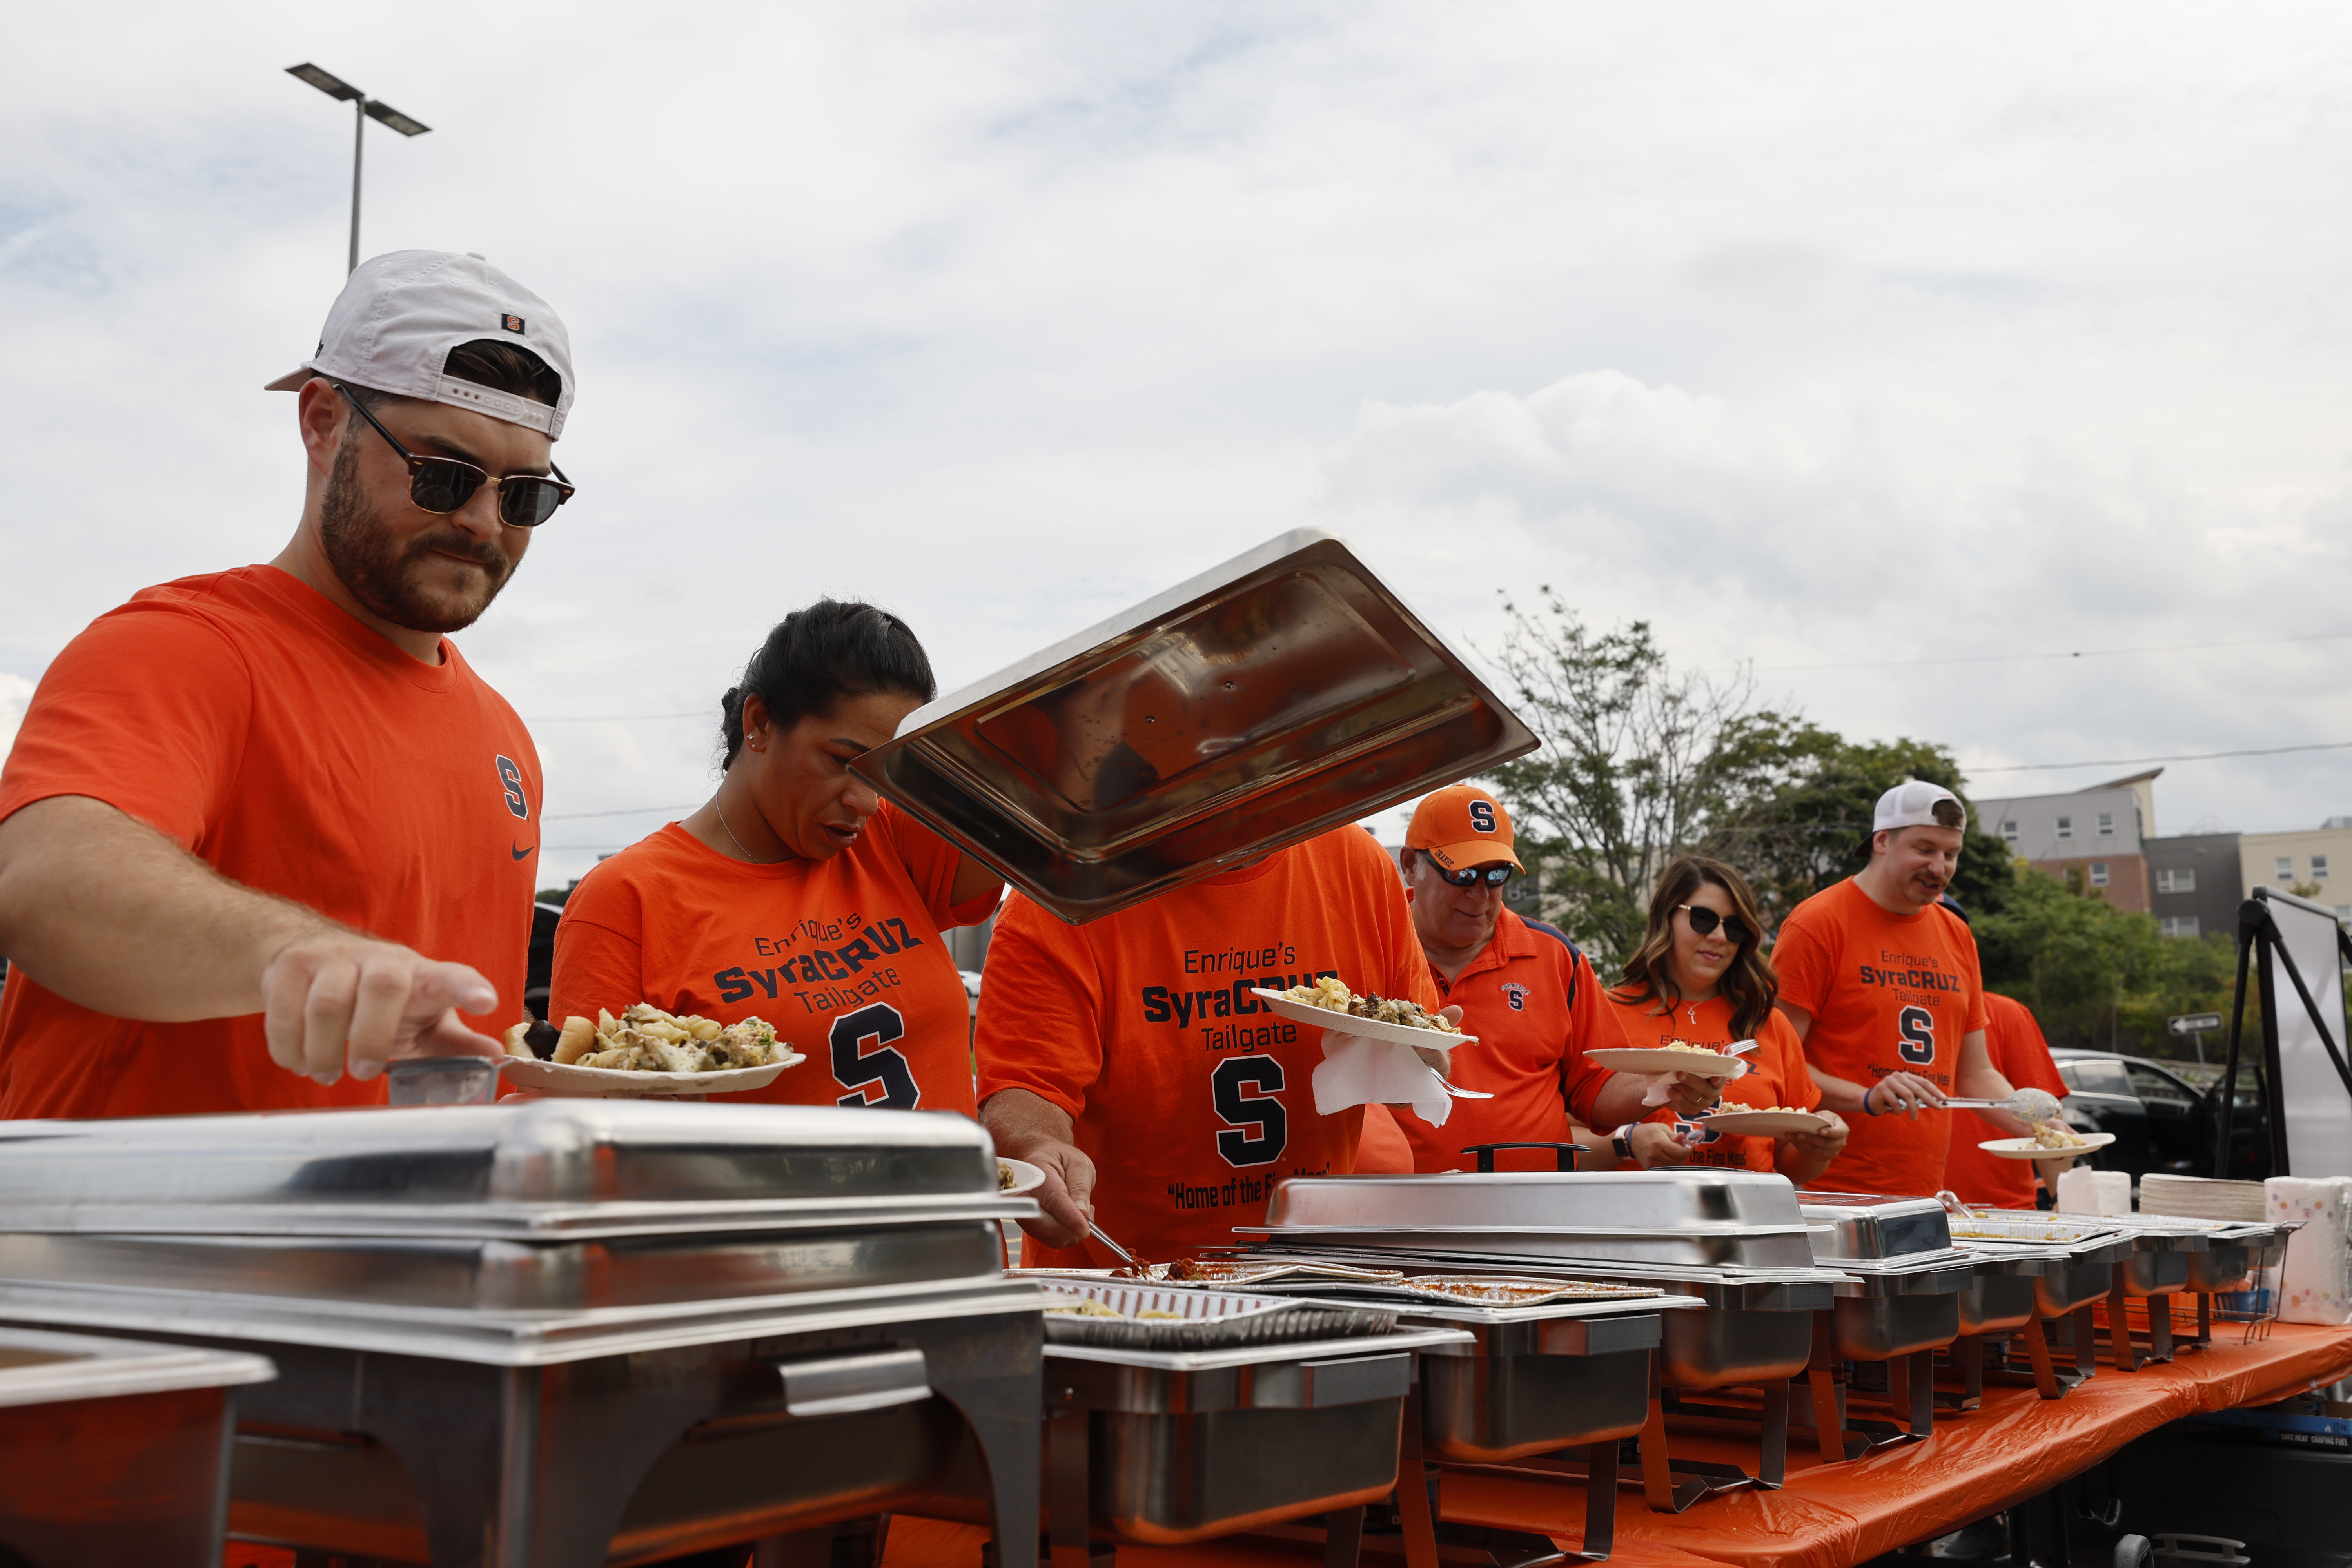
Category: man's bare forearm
[1015,1118]
[107,912]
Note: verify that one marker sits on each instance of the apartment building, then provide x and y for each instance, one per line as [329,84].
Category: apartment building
[2318,859]
[2195,886]
[2088,838]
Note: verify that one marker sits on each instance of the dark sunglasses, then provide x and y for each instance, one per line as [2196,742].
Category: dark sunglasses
[444,484]
[1493,875]
[1704,921]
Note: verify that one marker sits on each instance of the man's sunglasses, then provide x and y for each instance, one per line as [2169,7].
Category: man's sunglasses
[1704,921]
[444,484]
[1470,876]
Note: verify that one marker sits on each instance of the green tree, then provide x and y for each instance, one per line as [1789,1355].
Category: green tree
[1640,763]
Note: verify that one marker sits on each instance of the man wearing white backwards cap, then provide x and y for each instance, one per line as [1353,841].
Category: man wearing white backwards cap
[1883,987]
[266,824]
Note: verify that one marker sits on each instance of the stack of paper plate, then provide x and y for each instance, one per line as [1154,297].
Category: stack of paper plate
[2200,1197]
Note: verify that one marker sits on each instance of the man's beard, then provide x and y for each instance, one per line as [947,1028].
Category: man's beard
[382,571]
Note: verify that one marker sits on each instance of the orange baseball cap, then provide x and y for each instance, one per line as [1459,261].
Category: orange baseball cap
[1462,826]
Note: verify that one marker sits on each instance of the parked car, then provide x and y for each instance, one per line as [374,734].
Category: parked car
[2160,1121]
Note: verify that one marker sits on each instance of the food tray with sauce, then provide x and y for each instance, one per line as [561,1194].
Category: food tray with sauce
[1160,1318]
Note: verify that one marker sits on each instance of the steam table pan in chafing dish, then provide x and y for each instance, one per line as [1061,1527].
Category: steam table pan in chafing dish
[2020,1240]
[2154,1256]
[1144,1316]
[2232,1248]
[1906,1277]
[1705,1219]
[1286,691]
[742,1319]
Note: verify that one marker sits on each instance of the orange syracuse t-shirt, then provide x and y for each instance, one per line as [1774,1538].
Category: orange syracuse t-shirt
[1535,1005]
[1776,1073]
[247,718]
[1190,1095]
[2013,1040]
[1888,993]
[844,956]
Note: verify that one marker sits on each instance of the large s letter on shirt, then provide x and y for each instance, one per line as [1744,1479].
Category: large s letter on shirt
[1888,993]
[1191,1097]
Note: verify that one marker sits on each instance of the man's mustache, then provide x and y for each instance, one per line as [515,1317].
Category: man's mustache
[481,552]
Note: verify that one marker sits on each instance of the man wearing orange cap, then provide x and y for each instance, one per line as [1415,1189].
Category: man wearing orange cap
[1530,995]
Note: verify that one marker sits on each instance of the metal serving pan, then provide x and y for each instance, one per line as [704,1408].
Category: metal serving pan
[1704,1218]
[1283,692]
[113,1453]
[2009,1282]
[1862,1226]
[518,1170]
[1201,1320]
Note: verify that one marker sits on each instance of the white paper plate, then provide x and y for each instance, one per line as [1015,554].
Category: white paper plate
[1653,1059]
[1027,1177]
[573,1082]
[1763,1123]
[1369,1028]
[2027,1148]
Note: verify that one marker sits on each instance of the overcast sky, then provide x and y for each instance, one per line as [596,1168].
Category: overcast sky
[1843,336]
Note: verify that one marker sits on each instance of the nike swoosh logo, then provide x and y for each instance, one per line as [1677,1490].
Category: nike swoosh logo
[524,854]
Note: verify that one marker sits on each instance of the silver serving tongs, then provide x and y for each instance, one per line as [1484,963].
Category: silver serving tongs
[2026,1105]
[1122,1254]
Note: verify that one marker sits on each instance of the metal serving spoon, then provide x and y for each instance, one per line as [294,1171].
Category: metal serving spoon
[1122,1254]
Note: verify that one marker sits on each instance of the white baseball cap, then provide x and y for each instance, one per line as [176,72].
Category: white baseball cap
[1912,803]
[392,326]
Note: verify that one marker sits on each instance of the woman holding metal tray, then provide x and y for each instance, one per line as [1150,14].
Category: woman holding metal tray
[795,894]
[1700,978]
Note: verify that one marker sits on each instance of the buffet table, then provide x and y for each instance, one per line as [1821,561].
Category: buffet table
[2013,1446]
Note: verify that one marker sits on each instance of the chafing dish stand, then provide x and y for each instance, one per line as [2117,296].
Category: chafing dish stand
[1899,1304]
[114,1453]
[556,1334]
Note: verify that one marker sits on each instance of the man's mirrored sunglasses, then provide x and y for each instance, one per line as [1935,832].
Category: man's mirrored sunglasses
[1471,876]
[1704,921]
[442,485]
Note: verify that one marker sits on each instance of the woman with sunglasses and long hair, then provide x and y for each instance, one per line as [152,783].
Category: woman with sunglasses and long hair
[796,895]
[1700,976]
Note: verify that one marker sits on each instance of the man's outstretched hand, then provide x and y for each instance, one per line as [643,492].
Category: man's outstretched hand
[334,999]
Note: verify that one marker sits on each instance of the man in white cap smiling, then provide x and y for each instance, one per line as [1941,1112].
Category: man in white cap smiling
[1881,985]
[264,830]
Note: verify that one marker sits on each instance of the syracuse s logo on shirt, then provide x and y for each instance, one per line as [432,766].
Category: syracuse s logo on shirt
[511,780]
[1516,995]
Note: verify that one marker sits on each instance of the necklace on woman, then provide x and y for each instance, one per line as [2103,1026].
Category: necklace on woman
[731,835]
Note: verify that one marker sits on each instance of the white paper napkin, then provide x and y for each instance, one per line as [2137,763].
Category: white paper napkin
[2083,1190]
[1360,1071]
[2317,1283]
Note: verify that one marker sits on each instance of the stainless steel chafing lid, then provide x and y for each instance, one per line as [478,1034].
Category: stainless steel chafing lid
[1707,1202]
[1282,693]
[526,1160]
[1861,1226]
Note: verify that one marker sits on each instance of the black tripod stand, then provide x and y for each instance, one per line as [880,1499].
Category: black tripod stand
[2258,934]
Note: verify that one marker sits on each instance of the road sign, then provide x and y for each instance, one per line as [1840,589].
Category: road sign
[2193,1023]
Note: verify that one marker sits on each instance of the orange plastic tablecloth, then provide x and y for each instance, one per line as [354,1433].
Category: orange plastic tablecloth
[2015,1445]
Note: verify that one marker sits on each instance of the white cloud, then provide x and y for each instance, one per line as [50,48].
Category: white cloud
[1852,333]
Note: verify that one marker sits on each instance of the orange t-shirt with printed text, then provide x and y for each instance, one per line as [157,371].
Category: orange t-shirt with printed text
[1888,993]
[1776,1073]
[1535,1005]
[1190,1095]
[2013,1040]
[247,718]
[844,956]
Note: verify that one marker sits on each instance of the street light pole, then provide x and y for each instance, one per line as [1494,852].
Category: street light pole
[359,145]
[363,109]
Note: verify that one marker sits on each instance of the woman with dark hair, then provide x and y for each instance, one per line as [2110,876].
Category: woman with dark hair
[1700,976]
[795,894]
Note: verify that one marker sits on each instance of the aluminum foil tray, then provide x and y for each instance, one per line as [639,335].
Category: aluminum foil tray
[1282,693]
[1202,1320]
[519,1170]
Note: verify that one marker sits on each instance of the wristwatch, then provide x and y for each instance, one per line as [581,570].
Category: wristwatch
[1621,1143]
